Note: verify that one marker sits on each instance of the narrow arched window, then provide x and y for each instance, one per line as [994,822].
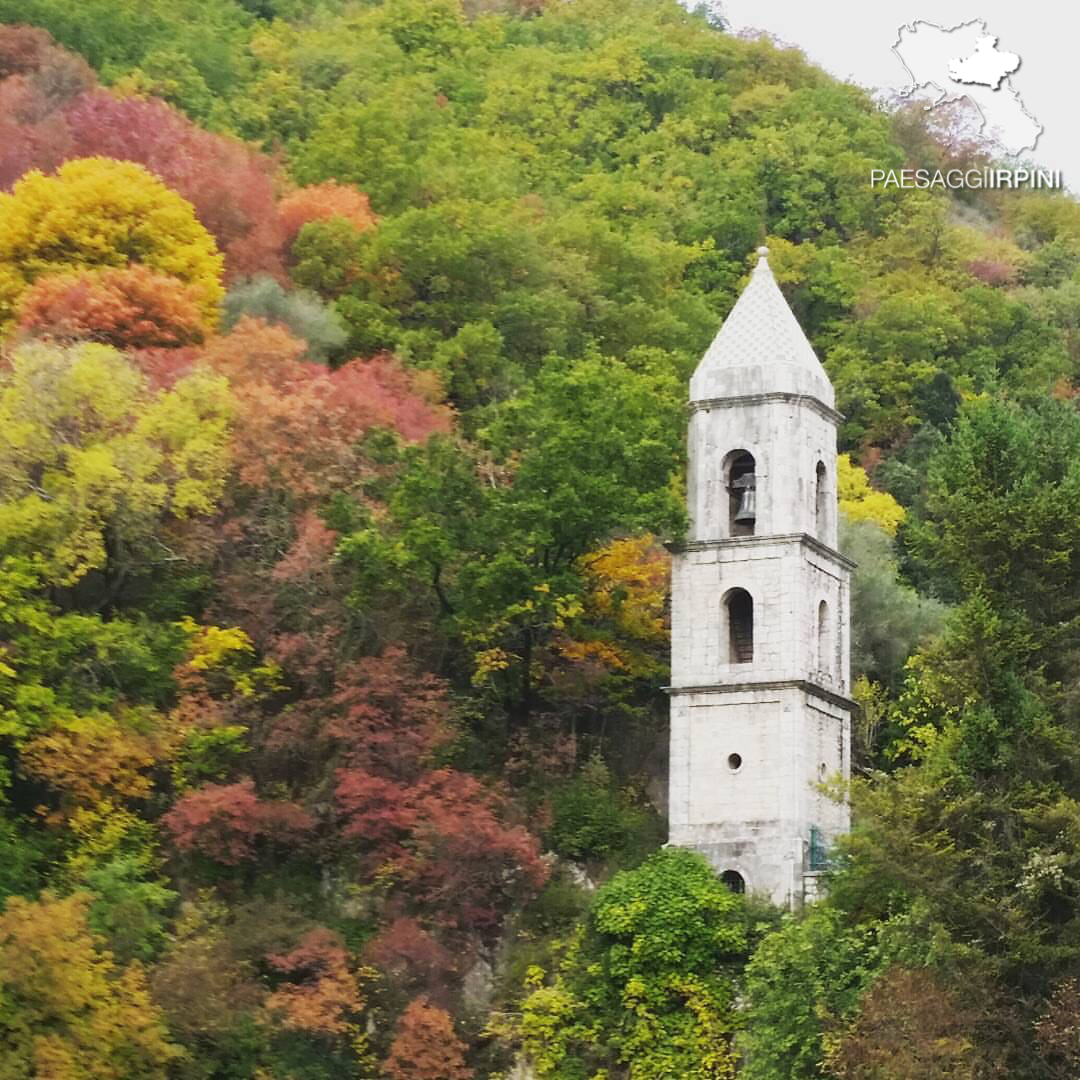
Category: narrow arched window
[740,478]
[821,503]
[824,638]
[740,624]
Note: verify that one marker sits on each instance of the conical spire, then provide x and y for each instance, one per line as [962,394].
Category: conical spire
[760,349]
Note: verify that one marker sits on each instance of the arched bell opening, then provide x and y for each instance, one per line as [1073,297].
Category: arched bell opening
[740,479]
[739,612]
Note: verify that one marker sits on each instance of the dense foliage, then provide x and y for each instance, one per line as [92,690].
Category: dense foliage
[344,355]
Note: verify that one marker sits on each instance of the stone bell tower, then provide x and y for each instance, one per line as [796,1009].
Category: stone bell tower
[759,618]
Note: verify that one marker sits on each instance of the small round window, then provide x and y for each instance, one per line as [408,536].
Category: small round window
[734,762]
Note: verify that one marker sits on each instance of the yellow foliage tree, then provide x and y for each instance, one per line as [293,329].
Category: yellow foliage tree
[96,212]
[860,502]
[67,1010]
[625,625]
[92,459]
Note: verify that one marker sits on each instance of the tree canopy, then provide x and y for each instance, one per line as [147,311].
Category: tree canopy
[343,355]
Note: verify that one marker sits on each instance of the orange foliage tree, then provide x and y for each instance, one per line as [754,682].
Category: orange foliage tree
[298,423]
[320,202]
[324,998]
[299,440]
[623,624]
[129,307]
[426,1047]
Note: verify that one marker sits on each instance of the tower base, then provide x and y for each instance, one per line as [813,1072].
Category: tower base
[746,769]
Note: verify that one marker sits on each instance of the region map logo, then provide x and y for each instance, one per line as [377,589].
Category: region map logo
[948,64]
[963,61]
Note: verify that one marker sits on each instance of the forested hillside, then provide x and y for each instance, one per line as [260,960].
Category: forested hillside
[345,348]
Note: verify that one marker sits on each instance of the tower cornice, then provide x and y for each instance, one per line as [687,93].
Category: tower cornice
[805,685]
[819,406]
[812,542]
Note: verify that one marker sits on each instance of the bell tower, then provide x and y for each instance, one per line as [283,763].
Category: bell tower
[760,713]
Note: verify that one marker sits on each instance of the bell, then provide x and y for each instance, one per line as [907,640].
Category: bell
[745,514]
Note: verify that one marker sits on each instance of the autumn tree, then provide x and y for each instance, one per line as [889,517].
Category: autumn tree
[54,112]
[860,502]
[95,212]
[232,187]
[320,202]
[129,459]
[299,423]
[306,440]
[909,1026]
[451,840]
[323,997]
[37,78]
[66,1009]
[130,308]
[425,1046]
[231,823]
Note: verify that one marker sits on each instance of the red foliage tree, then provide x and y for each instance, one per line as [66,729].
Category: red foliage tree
[23,49]
[30,50]
[387,717]
[231,186]
[471,865]
[446,838]
[298,436]
[299,423]
[32,136]
[426,1047]
[228,822]
[163,366]
[320,202]
[51,110]
[450,841]
[407,953]
[129,307]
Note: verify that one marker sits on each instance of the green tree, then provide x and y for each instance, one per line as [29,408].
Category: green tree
[1000,519]
[801,979]
[888,617]
[590,449]
[649,987]
[93,461]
